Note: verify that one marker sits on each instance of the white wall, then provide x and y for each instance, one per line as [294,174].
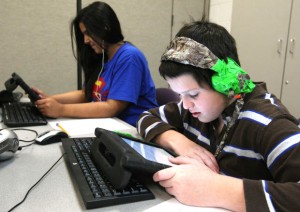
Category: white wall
[35,38]
[36,44]
[220,12]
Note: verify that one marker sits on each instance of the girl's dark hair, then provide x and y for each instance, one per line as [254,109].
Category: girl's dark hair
[214,37]
[102,25]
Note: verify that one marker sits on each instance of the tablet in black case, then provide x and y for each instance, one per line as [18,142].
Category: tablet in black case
[120,156]
[16,80]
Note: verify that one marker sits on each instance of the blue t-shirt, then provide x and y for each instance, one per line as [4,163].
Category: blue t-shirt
[126,77]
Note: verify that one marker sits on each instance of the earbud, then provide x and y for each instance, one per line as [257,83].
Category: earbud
[103,48]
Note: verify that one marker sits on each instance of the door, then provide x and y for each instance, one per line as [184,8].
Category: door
[291,81]
[260,28]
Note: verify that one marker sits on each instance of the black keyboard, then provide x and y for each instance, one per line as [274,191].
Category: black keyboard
[95,188]
[22,114]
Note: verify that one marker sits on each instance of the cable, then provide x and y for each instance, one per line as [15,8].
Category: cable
[98,95]
[33,140]
[36,184]
[30,130]
[27,145]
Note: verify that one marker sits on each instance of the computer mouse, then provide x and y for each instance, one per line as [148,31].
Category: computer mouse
[49,137]
[9,144]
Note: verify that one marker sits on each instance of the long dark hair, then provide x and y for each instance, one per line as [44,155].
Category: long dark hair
[102,25]
[214,37]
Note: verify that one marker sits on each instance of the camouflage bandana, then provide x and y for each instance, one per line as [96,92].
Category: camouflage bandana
[229,79]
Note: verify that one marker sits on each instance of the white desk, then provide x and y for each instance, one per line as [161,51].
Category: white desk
[57,191]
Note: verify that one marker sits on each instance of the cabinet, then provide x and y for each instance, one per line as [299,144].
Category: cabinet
[291,78]
[267,39]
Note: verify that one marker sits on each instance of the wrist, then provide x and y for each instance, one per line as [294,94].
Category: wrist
[62,110]
[231,196]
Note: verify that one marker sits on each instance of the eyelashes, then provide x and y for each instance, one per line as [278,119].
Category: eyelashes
[194,96]
[191,94]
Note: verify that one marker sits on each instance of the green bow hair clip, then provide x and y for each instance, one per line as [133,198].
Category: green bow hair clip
[230,79]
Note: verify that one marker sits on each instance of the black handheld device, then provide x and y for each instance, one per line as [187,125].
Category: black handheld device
[16,80]
[119,156]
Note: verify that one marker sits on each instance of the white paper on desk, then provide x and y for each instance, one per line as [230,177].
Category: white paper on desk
[79,127]
[175,206]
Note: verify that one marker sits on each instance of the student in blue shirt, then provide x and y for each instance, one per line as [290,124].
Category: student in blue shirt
[117,81]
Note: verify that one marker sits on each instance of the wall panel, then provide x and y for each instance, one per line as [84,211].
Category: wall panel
[35,43]
[35,38]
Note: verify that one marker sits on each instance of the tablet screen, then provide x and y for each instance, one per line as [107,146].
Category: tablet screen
[149,152]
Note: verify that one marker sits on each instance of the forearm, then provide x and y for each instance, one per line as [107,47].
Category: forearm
[171,139]
[110,108]
[72,97]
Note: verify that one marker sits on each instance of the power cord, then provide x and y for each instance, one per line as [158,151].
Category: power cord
[36,184]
